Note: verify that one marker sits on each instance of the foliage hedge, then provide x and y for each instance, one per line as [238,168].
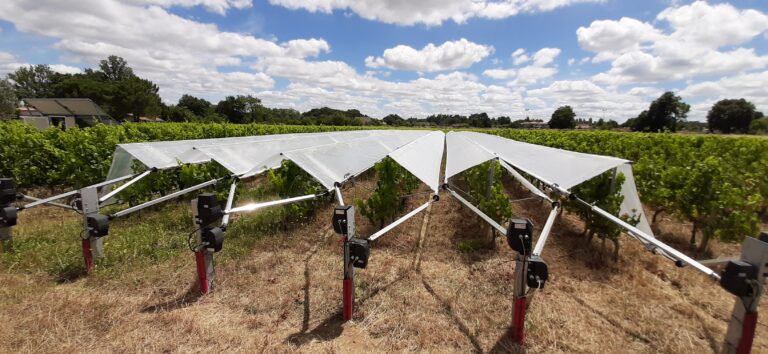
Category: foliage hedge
[78,157]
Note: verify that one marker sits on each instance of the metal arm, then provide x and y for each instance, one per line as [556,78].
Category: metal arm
[70,193]
[254,206]
[477,211]
[124,186]
[525,182]
[398,221]
[338,195]
[635,232]
[162,199]
[230,199]
[546,230]
[48,203]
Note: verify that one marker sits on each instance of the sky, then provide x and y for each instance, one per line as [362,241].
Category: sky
[605,58]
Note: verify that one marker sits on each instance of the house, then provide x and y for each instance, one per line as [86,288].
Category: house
[534,125]
[63,112]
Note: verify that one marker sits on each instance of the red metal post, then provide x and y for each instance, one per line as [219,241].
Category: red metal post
[202,274]
[518,320]
[747,333]
[348,300]
[87,255]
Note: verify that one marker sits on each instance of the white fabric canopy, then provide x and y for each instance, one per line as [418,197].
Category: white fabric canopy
[168,154]
[555,166]
[422,157]
[340,161]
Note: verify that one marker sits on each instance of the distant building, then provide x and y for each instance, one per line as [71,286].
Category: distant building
[584,126]
[534,125]
[63,112]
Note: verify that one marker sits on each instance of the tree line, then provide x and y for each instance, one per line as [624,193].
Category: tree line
[125,96]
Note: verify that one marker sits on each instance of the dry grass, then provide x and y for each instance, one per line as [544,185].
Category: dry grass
[417,294]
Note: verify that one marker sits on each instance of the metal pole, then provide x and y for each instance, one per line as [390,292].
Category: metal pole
[254,206]
[48,203]
[652,240]
[49,199]
[230,200]
[525,182]
[203,257]
[398,221]
[339,198]
[124,186]
[348,282]
[519,301]
[545,231]
[162,199]
[92,246]
[478,212]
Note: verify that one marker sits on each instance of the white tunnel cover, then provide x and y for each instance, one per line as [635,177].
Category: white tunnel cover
[422,157]
[338,162]
[562,167]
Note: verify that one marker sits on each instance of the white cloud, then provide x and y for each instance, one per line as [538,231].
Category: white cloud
[450,55]
[612,38]
[65,69]
[587,100]
[302,48]
[9,63]
[500,74]
[519,57]
[428,12]
[751,87]
[545,56]
[217,6]
[700,43]
[532,74]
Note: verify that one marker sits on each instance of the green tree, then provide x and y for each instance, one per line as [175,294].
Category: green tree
[34,81]
[198,106]
[115,68]
[385,203]
[731,115]
[480,120]
[137,97]
[7,98]
[563,118]
[238,109]
[664,114]
[393,120]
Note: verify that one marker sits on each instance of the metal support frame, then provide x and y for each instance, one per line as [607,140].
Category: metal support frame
[125,185]
[254,206]
[71,193]
[203,257]
[399,221]
[34,199]
[348,282]
[525,182]
[546,230]
[477,211]
[230,200]
[150,203]
[519,300]
[741,327]
[93,247]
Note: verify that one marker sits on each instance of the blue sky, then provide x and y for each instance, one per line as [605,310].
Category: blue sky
[506,57]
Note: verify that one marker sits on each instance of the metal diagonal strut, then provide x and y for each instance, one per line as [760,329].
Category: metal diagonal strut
[254,206]
[398,221]
[125,185]
[650,239]
[546,230]
[230,200]
[479,213]
[164,198]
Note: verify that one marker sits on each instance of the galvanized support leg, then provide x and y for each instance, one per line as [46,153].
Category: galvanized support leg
[203,255]
[519,301]
[93,247]
[741,328]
